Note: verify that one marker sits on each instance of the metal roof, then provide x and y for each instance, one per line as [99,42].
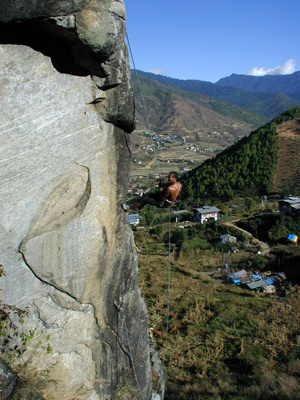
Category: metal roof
[280,274]
[180,212]
[133,218]
[290,200]
[269,281]
[256,284]
[296,206]
[240,274]
[206,209]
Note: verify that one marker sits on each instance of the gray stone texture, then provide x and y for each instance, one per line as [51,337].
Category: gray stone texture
[65,243]
[7,381]
[16,10]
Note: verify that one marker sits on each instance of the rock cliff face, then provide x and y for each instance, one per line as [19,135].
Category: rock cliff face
[66,246]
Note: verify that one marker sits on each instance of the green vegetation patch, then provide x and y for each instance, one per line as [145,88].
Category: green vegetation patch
[224,342]
[245,168]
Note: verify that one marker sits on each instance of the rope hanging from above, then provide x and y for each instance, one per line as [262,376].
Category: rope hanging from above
[143,105]
[118,307]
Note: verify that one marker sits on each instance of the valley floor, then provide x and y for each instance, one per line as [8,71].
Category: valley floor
[224,342]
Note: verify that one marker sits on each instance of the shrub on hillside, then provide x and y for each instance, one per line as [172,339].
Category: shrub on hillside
[195,246]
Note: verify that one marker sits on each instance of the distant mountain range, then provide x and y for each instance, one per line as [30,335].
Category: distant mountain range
[286,84]
[171,110]
[265,96]
[202,112]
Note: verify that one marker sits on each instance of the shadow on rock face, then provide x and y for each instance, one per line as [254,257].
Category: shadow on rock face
[67,53]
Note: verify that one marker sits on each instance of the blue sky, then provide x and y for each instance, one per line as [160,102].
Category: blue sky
[208,40]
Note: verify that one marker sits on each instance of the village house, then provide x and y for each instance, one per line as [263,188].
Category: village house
[180,212]
[228,239]
[134,219]
[140,192]
[289,205]
[205,213]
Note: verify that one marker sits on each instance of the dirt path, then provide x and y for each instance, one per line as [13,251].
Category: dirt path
[149,164]
[265,248]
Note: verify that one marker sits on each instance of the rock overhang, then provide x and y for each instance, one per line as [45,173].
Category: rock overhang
[82,38]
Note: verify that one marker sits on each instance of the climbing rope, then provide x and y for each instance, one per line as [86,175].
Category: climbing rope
[169,284]
[143,105]
[145,237]
[168,301]
[119,309]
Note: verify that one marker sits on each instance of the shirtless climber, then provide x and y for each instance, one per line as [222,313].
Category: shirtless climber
[163,198]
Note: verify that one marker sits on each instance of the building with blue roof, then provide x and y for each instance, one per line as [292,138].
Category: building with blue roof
[269,281]
[257,282]
[292,238]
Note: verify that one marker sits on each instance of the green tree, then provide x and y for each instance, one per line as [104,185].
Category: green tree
[278,231]
[249,204]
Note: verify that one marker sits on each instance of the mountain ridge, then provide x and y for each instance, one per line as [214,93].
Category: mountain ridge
[267,105]
[171,109]
[287,84]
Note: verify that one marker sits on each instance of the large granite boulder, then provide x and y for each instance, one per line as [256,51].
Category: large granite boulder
[66,245]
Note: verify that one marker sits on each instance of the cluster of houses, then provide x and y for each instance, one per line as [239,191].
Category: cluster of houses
[198,149]
[203,214]
[289,205]
[134,186]
[266,282]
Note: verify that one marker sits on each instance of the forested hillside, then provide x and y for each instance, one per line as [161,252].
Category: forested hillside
[246,168]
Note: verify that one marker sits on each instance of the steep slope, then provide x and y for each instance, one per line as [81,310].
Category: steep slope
[175,114]
[155,88]
[264,161]
[172,110]
[288,159]
[267,105]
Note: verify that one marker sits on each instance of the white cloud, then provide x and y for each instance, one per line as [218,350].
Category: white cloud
[157,71]
[287,68]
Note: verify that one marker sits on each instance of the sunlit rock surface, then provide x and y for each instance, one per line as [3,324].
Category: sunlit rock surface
[66,245]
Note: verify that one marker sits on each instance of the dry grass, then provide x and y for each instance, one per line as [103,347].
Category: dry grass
[223,342]
[287,169]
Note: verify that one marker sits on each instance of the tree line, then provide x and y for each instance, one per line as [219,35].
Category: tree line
[245,168]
